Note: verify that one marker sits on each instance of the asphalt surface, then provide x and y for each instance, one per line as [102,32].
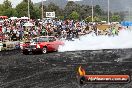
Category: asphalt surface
[59,69]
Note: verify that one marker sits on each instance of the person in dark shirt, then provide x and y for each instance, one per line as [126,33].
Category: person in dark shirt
[14,37]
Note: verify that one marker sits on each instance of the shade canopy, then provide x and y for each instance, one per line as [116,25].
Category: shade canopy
[25,18]
[13,18]
[3,17]
[126,23]
[28,24]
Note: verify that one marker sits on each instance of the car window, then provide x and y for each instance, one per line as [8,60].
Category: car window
[44,39]
[34,40]
[51,39]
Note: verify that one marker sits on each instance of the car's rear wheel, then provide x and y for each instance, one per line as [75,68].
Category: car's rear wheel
[44,50]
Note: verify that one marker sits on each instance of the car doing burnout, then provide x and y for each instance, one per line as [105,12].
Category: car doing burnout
[41,44]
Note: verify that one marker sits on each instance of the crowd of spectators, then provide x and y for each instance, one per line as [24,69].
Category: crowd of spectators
[19,29]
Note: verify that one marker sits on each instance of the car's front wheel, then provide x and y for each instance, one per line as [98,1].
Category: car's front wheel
[44,50]
[25,53]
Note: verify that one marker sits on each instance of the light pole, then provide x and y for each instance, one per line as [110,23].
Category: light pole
[28,10]
[108,11]
[92,10]
[42,10]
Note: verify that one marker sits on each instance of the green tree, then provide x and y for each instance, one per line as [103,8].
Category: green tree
[115,18]
[6,9]
[37,13]
[85,11]
[88,19]
[98,10]
[10,12]
[121,14]
[97,19]
[54,8]
[7,4]
[61,17]
[74,15]
[1,9]
[70,7]
[22,9]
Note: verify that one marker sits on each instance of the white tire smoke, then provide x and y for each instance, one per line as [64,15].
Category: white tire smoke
[92,42]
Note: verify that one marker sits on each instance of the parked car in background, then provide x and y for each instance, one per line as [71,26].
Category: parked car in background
[41,44]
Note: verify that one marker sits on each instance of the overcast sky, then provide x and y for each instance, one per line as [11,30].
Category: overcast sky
[15,2]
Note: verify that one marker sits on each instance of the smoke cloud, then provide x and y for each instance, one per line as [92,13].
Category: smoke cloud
[92,42]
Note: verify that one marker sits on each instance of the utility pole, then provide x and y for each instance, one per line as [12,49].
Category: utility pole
[42,10]
[108,11]
[92,11]
[28,10]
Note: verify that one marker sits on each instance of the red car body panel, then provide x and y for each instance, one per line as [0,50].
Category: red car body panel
[51,45]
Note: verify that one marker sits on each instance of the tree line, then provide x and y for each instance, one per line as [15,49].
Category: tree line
[72,10]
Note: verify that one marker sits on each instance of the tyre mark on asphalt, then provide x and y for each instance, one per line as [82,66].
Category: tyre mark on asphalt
[58,82]
[29,77]
[14,81]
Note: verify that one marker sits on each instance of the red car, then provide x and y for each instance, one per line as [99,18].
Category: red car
[41,44]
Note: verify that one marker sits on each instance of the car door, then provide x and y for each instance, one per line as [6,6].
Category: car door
[53,43]
[50,44]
